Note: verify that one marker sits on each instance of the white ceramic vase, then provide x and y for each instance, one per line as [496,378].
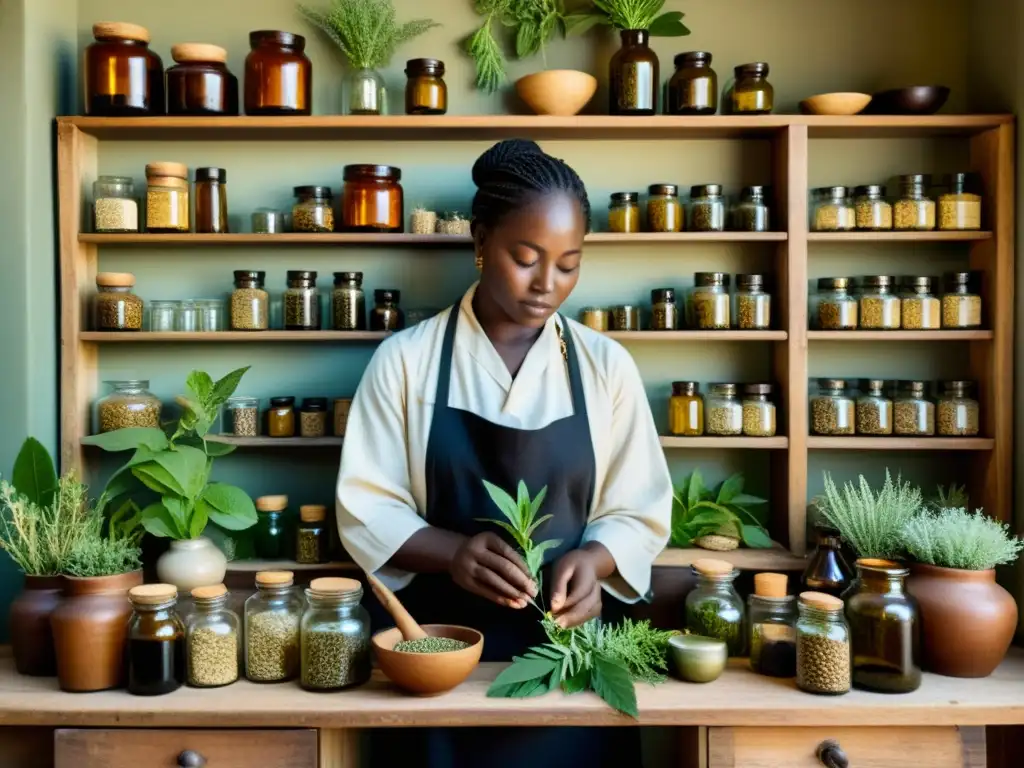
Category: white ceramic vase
[192,563]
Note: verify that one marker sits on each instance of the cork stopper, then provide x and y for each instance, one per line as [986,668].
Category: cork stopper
[335,586]
[821,601]
[115,279]
[198,52]
[167,168]
[210,592]
[274,578]
[271,503]
[711,567]
[120,30]
[312,513]
[874,562]
[770,584]
[152,594]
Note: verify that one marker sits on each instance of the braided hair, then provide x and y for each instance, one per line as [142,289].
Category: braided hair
[512,173]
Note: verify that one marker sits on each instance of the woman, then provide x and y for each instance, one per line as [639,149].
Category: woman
[502,388]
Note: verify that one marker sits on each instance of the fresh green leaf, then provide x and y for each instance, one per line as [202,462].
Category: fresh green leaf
[581,23]
[754,536]
[535,555]
[578,682]
[178,511]
[225,387]
[668,25]
[158,479]
[34,475]
[126,521]
[128,438]
[230,507]
[535,505]
[523,505]
[611,680]
[696,490]
[187,465]
[200,517]
[158,522]
[522,671]
[555,680]
[536,524]
[537,687]
[730,489]
[711,517]
[513,532]
[710,506]
[504,502]
[216,450]
[527,39]
[200,384]
[746,500]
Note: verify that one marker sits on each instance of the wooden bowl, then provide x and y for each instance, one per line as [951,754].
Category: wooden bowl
[916,100]
[427,674]
[562,92]
[835,103]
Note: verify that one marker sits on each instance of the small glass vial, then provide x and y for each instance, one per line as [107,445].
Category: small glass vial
[161,315]
[130,404]
[213,639]
[960,203]
[879,305]
[686,410]
[838,309]
[709,302]
[281,417]
[913,412]
[664,211]
[186,317]
[714,608]
[920,309]
[211,315]
[335,633]
[596,318]
[758,411]
[242,416]
[272,617]
[311,537]
[752,94]
[313,417]
[959,413]
[270,534]
[823,658]
[348,302]
[664,311]
[771,617]
[267,221]
[250,304]
[833,211]
[114,206]
[753,305]
[874,409]
[156,641]
[914,209]
[625,317]
[723,411]
[313,210]
[624,213]
[872,210]
[832,409]
[386,314]
[961,306]
[212,201]
[116,307]
[167,201]
[752,213]
[425,90]
[301,302]
[707,208]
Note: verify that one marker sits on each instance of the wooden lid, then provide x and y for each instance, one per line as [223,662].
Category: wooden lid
[120,30]
[271,503]
[152,594]
[210,592]
[335,586]
[874,562]
[821,601]
[115,279]
[312,513]
[167,168]
[711,567]
[274,578]
[770,584]
[198,52]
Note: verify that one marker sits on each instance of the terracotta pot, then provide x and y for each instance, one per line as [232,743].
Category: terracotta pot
[90,630]
[31,636]
[967,620]
[192,563]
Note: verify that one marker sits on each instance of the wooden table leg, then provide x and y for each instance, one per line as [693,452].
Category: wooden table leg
[339,748]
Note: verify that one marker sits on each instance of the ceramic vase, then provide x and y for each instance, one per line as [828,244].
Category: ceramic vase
[31,635]
[192,563]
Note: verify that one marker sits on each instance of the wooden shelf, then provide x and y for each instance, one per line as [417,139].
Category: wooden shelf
[899,335]
[276,442]
[697,335]
[900,443]
[773,443]
[146,337]
[251,566]
[897,237]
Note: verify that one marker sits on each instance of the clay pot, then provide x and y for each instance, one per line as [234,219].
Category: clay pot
[31,636]
[967,620]
[90,631]
[192,563]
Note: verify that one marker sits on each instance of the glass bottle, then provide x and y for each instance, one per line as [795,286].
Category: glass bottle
[242,416]
[752,94]
[313,210]
[269,534]
[758,411]
[348,302]
[871,210]
[364,92]
[624,213]
[913,412]
[278,75]
[123,77]
[372,199]
[633,76]
[714,608]
[874,409]
[117,308]
[664,211]
[960,203]
[822,645]
[130,404]
[709,302]
[114,206]
[211,315]
[838,309]
[958,412]
[156,641]
[212,201]
[186,317]
[693,88]
[167,204]
[879,305]
[832,409]
[686,409]
[312,536]
[920,309]
[884,629]
[386,314]
[827,570]
[272,617]
[313,417]
[771,617]
[250,304]
[301,302]
[664,311]
[281,417]
[914,209]
[707,208]
[833,211]
[961,303]
[213,639]
[425,90]
[753,304]
[335,636]
[752,213]
[162,315]
[200,83]
[723,412]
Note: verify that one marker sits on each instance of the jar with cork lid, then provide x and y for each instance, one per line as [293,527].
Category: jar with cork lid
[823,658]
[117,308]
[714,608]
[272,617]
[213,639]
[167,197]
[913,412]
[270,540]
[686,409]
[342,407]
[772,616]
[200,83]
[874,409]
[312,538]
[156,641]
[123,77]
[335,633]
[758,410]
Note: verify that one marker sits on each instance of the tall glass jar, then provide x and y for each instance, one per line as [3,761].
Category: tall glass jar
[686,409]
[707,208]
[425,90]
[212,201]
[281,417]
[961,303]
[123,77]
[213,639]
[758,410]
[624,213]
[312,538]
[833,211]
[335,636]
[664,211]
[827,570]
[914,209]
[874,409]
[313,210]
[301,302]
[714,608]
[272,618]
[879,305]
[753,304]
[752,213]
[156,641]
[278,75]
[752,94]
[871,210]
[130,404]
[250,304]
[633,76]
[313,417]
[920,309]
[348,302]
[958,411]
[913,412]
[200,83]
[832,409]
[885,629]
[372,199]
[723,411]
[838,309]
[270,539]
[167,202]
[664,311]
[386,315]
[242,416]
[364,92]
[117,308]
[114,206]
[709,308]
[693,88]
[772,623]
[823,656]
[960,202]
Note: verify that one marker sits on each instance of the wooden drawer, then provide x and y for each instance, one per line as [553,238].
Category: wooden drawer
[143,748]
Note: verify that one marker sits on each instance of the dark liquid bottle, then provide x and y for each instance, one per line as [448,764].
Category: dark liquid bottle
[156,641]
[827,570]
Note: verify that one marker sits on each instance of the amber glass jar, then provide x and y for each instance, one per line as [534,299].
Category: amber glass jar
[281,417]
[752,94]
[123,78]
[693,89]
[686,409]
[425,90]
[156,641]
[278,75]
[386,315]
[372,199]
[633,76]
[212,200]
[200,84]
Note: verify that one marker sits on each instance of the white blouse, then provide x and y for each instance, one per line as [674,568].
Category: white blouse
[382,493]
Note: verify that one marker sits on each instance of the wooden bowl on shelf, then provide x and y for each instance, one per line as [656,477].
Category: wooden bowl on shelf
[915,100]
[427,674]
[561,92]
[835,103]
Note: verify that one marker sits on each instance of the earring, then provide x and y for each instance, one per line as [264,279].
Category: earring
[479,263]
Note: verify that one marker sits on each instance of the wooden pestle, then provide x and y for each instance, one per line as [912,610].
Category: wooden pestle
[403,620]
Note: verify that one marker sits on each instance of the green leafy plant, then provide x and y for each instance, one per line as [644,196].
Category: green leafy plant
[956,538]
[521,516]
[95,555]
[953,497]
[871,523]
[630,14]
[698,511]
[176,463]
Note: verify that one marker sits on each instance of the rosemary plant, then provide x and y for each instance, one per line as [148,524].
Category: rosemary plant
[956,538]
[871,523]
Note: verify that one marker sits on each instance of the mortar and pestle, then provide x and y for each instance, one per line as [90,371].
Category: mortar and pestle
[422,673]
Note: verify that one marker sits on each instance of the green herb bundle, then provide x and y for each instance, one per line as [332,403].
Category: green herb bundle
[956,538]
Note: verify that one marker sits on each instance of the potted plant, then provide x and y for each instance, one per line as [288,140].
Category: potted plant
[717,519]
[967,619]
[367,32]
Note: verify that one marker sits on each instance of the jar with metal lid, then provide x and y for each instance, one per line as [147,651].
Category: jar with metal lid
[833,211]
[200,83]
[386,314]
[335,633]
[348,302]
[425,90]
[823,658]
[596,318]
[874,409]
[961,303]
[342,406]
[723,411]
[250,304]
[186,317]
[312,536]
[211,315]
[752,94]
[267,221]
[270,540]
[709,301]
[123,77]
[771,617]
[879,305]
[913,412]
[920,309]
[833,409]
[914,209]
[130,404]
[242,416]
[693,88]
[625,317]
[117,308]
[664,211]
[633,80]
[753,304]
[686,410]
[752,213]
[162,315]
[156,641]
[281,417]
[960,202]
[313,417]
[372,199]
[114,206]
[624,213]
[758,410]
[707,208]
[213,639]
[664,312]
[871,210]
[272,618]
[278,75]
[313,210]
[714,608]
[959,413]
[838,308]
[167,203]
[301,302]
[212,201]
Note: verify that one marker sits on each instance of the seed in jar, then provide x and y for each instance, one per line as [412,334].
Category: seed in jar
[754,311]
[318,218]
[249,309]
[245,422]
[919,313]
[116,214]
[272,646]
[831,217]
[873,418]
[212,657]
[712,312]
[334,658]
[837,316]
[724,420]
[958,419]
[822,664]
[914,214]
[119,312]
[960,212]
[122,414]
[707,217]
[166,209]
[423,222]
[831,417]
[307,547]
[914,417]
[873,215]
[624,219]
[301,310]
[664,215]
[758,419]
[312,423]
[880,313]
[961,311]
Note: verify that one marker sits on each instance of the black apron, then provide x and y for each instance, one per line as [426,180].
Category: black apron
[464,449]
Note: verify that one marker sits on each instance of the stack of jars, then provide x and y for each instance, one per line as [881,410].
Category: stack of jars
[729,410]
[708,210]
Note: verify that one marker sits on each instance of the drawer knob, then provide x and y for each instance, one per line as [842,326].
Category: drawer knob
[831,755]
[191,759]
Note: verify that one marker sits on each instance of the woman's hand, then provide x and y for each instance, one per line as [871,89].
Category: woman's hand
[576,584]
[485,565]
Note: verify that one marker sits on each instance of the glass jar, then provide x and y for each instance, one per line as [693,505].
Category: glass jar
[242,416]
[664,312]
[162,316]
[625,317]
[156,641]
[372,199]
[958,411]
[885,629]
[624,213]
[914,209]
[686,410]
[751,213]
[714,608]
[130,404]
[633,76]
[960,203]
[250,304]
[364,92]
[772,643]
[313,417]
[186,317]
[822,645]
[269,535]
[342,406]
[313,210]
[281,417]
[920,309]
[832,409]
[311,537]
[752,94]
[709,302]
[913,412]
[267,221]
[753,305]
[707,208]
[664,211]
[879,305]
[301,302]
[123,77]
[425,89]
[837,307]
[723,412]
[278,75]
[167,204]
[348,302]
[596,318]
[200,83]
[335,636]
[874,409]
[833,211]
[961,303]
[213,639]
[871,210]
[386,314]
[114,206]
[116,307]
[212,201]
[827,570]
[211,315]
[272,618]
[758,411]
[693,88]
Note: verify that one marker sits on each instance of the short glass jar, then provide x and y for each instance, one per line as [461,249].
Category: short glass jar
[758,411]
[212,201]
[364,92]
[156,641]
[961,303]
[752,213]
[914,209]
[425,90]
[752,94]
[753,304]
[823,658]
[664,311]
[686,410]
[913,412]
[114,207]
[242,416]
[625,317]
[272,618]
[268,221]
[278,75]
[714,608]
[833,409]
[281,417]
[270,539]
[162,315]
[960,202]
[664,211]
[186,317]
[348,302]
[871,210]
[596,318]
[335,633]
[116,307]
[372,199]
[693,87]
[879,304]
[874,409]
[706,211]
[301,302]
[313,417]
[624,213]
[313,210]
[130,404]
[723,411]
[312,538]
[709,303]
[250,304]
[123,77]
[833,211]
[772,643]
[200,83]
[958,411]
[386,315]
[838,308]
[213,639]
[211,315]
[920,309]
[167,197]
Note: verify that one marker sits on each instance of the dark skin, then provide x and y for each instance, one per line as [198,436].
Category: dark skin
[531,263]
